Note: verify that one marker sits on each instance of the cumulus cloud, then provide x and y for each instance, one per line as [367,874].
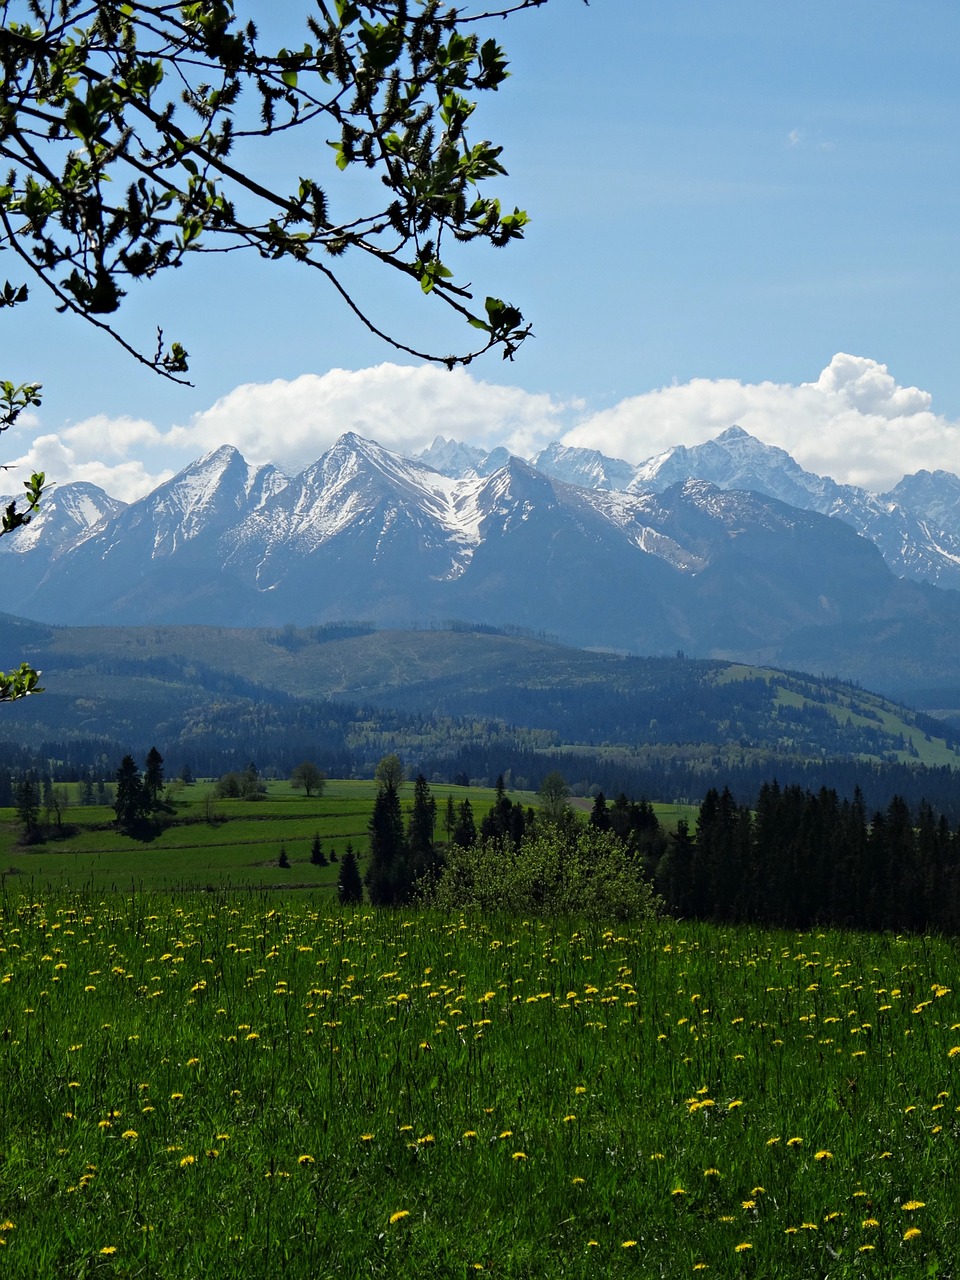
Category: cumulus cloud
[853,422]
[63,463]
[401,407]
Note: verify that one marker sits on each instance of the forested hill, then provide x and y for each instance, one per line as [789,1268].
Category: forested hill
[461,700]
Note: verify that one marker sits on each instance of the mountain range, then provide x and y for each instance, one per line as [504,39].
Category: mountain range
[729,550]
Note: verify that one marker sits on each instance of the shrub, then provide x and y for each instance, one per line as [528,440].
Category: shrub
[559,871]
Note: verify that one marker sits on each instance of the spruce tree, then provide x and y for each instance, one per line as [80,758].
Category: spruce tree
[153,778]
[421,853]
[599,817]
[27,804]
[388,880]
[130,804]
[317,856]
[465,832]
[349,884]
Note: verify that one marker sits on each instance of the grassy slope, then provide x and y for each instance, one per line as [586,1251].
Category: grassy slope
[238,848]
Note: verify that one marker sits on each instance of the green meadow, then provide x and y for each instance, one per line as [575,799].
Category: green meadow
[210,843]
[254,1084]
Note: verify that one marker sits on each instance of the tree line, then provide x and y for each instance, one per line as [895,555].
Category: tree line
[803,859]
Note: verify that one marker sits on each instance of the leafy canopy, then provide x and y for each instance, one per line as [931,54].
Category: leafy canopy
[122,123]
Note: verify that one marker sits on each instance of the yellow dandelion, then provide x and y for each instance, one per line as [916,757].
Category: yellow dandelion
[865,1248]
[519,1155]
[107,1248]
[305,1159]
[911,1233]
[794,1142]
[629,1244]
[711,1173]
[366,1137]
[399,1216]
[742,1247]
[914,1204]
[954,1051]
[593,1244]
[130,1134]
[734,1104]
[701,1266]
[823,1155]
[469,1133]
[809,1226]
[748,1204]
[176,1097]
[678,1191]
[868,1223]
[187,1160]
[580,1089]
[567,1119]
[772,1142]
[507,1133]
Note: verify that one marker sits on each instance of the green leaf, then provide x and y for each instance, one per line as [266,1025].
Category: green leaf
[341,159]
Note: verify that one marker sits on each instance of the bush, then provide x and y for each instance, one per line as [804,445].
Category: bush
[562,871]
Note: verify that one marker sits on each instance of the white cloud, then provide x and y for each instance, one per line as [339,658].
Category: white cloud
[401,407]
[854,422]
[112,437]
[65,464]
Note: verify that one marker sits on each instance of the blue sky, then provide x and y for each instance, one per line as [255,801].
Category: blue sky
[724,197]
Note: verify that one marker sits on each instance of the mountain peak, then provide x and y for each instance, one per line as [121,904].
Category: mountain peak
[734,432]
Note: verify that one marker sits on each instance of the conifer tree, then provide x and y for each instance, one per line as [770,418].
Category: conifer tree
[130,804]
[153,778]
[599,817]
[465,832]
[388,882]
[349,884]
[421,851]
[317,856]
[27,804]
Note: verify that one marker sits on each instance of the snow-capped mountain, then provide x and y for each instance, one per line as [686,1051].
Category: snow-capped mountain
[67,515]
[587,468]
[456,460]
[916,526]
[364,533]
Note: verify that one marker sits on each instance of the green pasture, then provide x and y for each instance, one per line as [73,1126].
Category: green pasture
[216,844]
[255,1085]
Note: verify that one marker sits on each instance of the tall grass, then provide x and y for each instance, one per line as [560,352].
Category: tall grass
[233,1086]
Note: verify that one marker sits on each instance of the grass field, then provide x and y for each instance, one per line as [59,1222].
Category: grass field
[254,1085]
[218,844]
